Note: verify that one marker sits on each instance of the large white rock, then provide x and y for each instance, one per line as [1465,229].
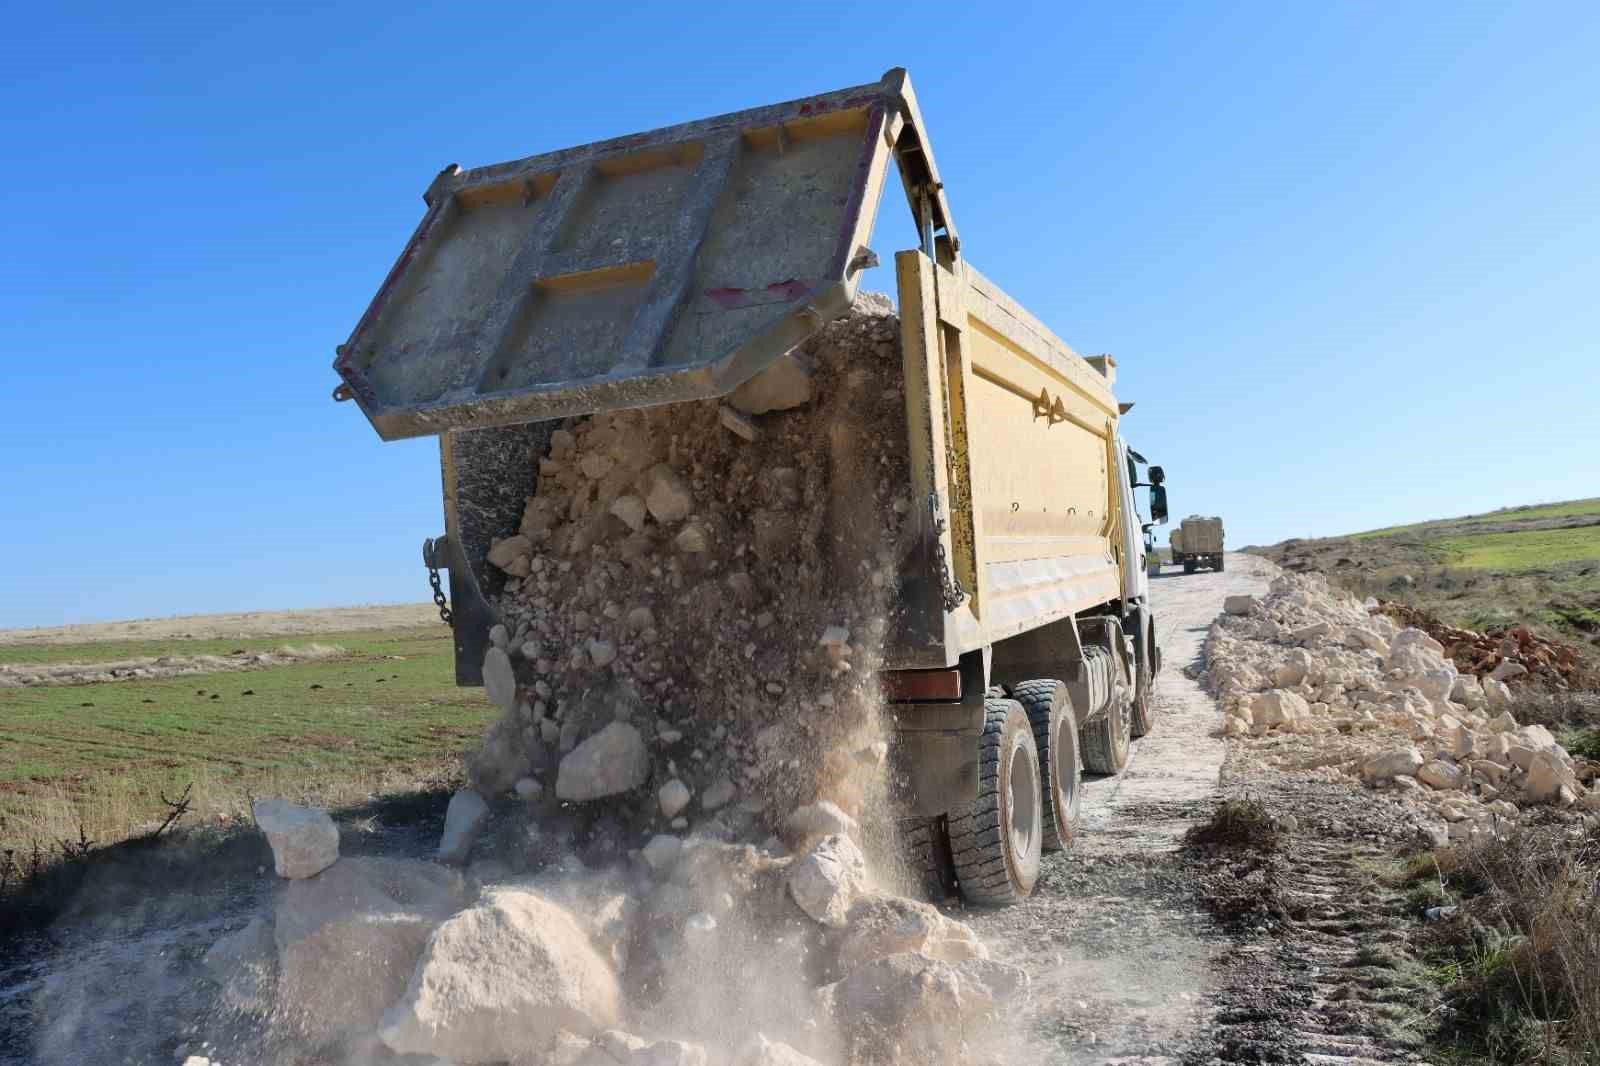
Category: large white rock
[612,761]
[1396,763]
[879,925]
[1412,637]
[1278,708]
[1496,694]
[349,939]
[462,820]
[828,878]
[503,976]
[304,840]
[1239,604]
[1546,777]
[1503,723]
[1295,669]
[1467,691]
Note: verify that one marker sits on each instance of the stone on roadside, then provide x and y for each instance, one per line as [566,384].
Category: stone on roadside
[1467,691]
[1508,669]
[1311,632]
[673,796]
[1399,762]
[462,819]
[1547,776]
[827,879]
[1279,708]
[304,840]
[783,385]
[611,762]
[1496,694]
[1441,775]
[507,974]
[1239,604]
[1503,723]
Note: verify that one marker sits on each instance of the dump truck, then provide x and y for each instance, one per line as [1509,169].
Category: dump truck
[1197,542]
[674,265]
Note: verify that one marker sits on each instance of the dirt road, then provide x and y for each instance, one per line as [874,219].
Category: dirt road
[1121,959]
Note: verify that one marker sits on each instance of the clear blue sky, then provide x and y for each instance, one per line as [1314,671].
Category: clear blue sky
[1346,254]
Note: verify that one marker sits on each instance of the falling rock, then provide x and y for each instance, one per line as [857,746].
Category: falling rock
[1441,775]
[826,880]
[349,939]
[662,851]
[612,761]
[692,539]
[737,423]
[601,652]
[499,680]
[720,794]
[462,819]
[1390,764]
[674,797]
[783,385]
[759,1051]
[631,510]
[641,619]
[1239,604]
[820,819]
[669,499]
[506,552]
[988,985]
[903,1008]
[878,925]
[507,974]
[304,840]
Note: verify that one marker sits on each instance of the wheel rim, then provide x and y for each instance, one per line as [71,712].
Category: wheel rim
[1062,743]
[1023,789]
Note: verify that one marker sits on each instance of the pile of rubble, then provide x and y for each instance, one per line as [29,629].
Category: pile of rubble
[1313,680]
[1515,655]
[667,853]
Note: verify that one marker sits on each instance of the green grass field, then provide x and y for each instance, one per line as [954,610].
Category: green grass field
[385,710]
[1570,509]
[1534,549]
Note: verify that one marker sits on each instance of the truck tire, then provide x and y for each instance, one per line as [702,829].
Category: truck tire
[926,843]
[1188,567]
[1144,701]
[995,844]
[1105,740]
[1055,734]
[1219,564]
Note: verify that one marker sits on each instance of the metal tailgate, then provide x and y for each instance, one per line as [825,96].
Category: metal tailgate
[649,269]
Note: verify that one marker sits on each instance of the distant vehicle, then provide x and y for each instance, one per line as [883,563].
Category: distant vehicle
[1198,542]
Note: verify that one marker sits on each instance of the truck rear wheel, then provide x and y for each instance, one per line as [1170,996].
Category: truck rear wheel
[995,844]
[1188,567]
[1105,740]
[1055,734]
[1144,703]
[1219,564]
[926,843]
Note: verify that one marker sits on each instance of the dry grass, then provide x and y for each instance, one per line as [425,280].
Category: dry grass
[1522,957]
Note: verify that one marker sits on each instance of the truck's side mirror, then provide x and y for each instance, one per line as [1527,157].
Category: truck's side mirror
[1158,497]
[1157,475]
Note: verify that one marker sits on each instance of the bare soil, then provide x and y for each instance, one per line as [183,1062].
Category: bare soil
[230,626]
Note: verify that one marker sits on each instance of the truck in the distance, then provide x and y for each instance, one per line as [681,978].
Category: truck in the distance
[673,266]
[1197,542]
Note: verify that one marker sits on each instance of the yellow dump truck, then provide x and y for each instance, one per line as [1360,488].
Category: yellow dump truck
[675,265]
[1197,542]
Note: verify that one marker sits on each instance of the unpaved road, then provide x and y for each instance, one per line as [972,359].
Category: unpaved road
[1124,965]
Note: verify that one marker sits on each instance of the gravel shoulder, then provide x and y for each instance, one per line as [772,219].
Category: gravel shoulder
[1122,957]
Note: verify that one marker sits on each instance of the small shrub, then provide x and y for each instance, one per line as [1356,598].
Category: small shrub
[1238,823]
